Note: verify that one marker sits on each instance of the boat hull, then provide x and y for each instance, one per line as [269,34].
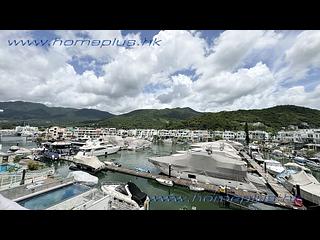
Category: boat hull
[165,183]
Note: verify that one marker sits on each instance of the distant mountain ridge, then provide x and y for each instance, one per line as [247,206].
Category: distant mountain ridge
[28,111]
[151,118]
[273,118]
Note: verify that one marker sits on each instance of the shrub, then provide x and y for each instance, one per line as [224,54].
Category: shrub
[17,158]
[33,165]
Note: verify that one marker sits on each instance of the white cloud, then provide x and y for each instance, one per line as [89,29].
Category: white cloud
[154,77]
[302,56]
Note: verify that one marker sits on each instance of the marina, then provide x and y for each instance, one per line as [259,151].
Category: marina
[127,165]
[284,198]
[278,189]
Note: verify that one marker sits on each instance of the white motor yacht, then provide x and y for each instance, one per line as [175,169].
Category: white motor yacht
[99,148]
[111,149]
[128,193]
[94,150]
[274,167]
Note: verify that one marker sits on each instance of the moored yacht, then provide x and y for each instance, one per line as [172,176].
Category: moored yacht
[314,164]
[309,185]
[88,162]
[165,182]
[111,149]
[220,165]
[277,153]
[94,150]
[99,148]
[254,149]
[128,193]
[300,160]
[257,157]
[274,167]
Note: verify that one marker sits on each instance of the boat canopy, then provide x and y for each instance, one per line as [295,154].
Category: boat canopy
[137,195]
[218,165]
[302,178]
[90,161]
[84,177]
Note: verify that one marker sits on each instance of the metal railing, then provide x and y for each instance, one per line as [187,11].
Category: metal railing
[9,180]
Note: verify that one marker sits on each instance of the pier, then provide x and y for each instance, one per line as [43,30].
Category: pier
[279,190]
[282,200]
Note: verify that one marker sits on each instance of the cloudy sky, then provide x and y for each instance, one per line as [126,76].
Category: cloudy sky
[204,70]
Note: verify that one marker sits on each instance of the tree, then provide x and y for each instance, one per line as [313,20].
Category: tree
[246,130]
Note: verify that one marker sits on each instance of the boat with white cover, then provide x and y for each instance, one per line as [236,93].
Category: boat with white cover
[220,165]
[274,167]
[309,185]
[87,162]
[165,182]
[83,177]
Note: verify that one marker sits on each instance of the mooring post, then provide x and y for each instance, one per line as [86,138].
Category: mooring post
[23,177]
[298,190]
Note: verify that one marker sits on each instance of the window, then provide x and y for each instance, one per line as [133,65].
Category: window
[98,149]
[192,176]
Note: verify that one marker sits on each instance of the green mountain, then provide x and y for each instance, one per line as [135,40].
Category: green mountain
[270,118]
[264,119]
[37,113]
[151,118]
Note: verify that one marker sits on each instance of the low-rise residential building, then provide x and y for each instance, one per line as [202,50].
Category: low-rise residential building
[55,132]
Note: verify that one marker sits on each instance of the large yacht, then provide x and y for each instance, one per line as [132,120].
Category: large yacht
[219,164]
[99,148]
[94,150]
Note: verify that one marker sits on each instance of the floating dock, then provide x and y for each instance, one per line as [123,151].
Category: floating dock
[279,190]
[285,201]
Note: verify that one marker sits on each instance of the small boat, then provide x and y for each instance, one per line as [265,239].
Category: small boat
[195,188]
[73,167]
[296,167]
[258,157]
[142,170]
[274,167]
[313,165]
[300,160]
[277,153]
[113,164]
[164,182]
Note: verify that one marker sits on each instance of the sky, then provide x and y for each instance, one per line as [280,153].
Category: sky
[207,70]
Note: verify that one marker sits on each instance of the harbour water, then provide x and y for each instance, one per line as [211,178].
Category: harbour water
[162,197]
